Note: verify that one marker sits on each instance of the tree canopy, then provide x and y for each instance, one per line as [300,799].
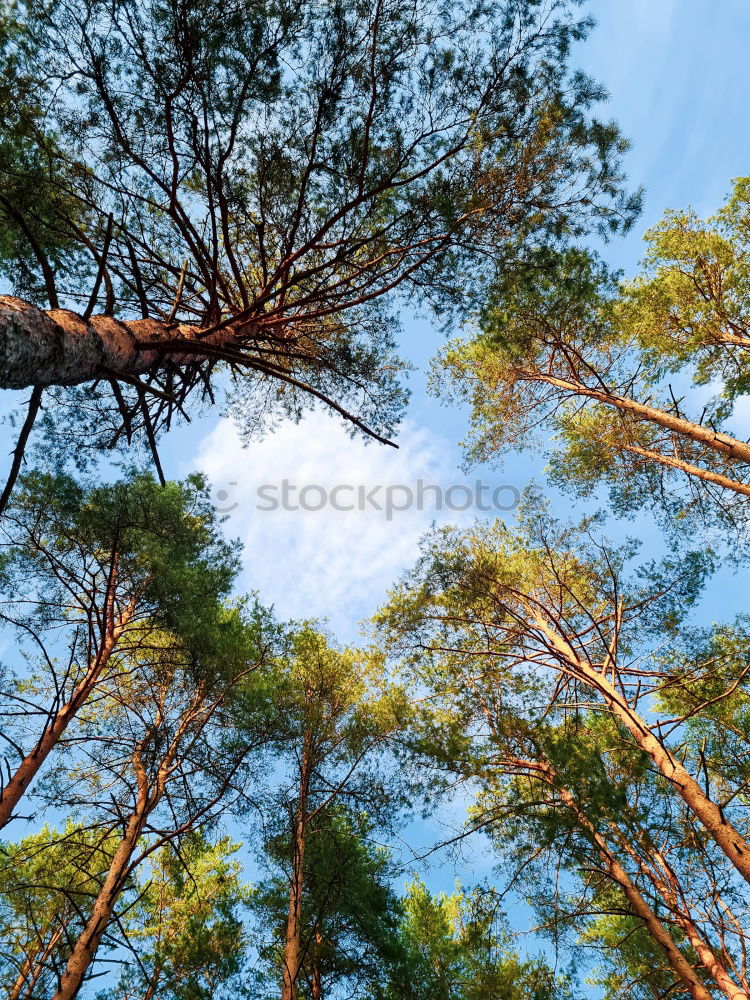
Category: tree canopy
[198,800]
[245,187]
[603,366]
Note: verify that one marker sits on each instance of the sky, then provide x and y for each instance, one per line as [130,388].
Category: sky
[679,79]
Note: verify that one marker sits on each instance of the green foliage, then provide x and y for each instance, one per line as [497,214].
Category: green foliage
[186,927]
[35,194]
[350,913]
[489,576]
[303,161]
[626,961]
[694,294]
[47,882]
[458,947]
[342,698]
[62,537]
[561,342]
[490,625]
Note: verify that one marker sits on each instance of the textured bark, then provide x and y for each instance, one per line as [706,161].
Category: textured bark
[723,443]
[58,347]
[88,942]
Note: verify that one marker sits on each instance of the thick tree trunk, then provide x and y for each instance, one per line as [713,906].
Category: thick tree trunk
[292,943]
[58,347]
[88,941]
[20,781]
[725,834]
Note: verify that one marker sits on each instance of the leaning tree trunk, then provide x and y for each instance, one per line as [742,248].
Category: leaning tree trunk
[19,782]
[726,836]
[33,967]
[716,440]
[58,347]
[639,905]
[85,948]
[715,478]
[668,888]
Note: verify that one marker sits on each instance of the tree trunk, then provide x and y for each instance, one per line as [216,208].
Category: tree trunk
[149,794]
[153,983]
[725,834]
[32,969]
[292,943]
[58,347]
[639,904]
[723,443]
[88,941]
[19,782]
[668,888]
[316,979]
[689,469]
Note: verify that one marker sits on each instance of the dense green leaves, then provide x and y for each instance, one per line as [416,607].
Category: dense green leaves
[457,947]
[186,926]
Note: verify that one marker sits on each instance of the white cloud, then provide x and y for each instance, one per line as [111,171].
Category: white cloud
[328,563]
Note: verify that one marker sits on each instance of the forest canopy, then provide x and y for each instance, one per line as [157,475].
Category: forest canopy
[526,777]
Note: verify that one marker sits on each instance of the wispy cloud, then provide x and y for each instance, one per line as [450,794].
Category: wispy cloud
[326,563]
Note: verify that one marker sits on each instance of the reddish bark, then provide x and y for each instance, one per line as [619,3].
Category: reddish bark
[58,347]
[725,834]
[292,943]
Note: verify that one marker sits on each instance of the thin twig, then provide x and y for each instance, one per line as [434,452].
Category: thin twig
[48,272]
[100,272]
[113,376]
[149,427]
[178,296]
[23,437]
